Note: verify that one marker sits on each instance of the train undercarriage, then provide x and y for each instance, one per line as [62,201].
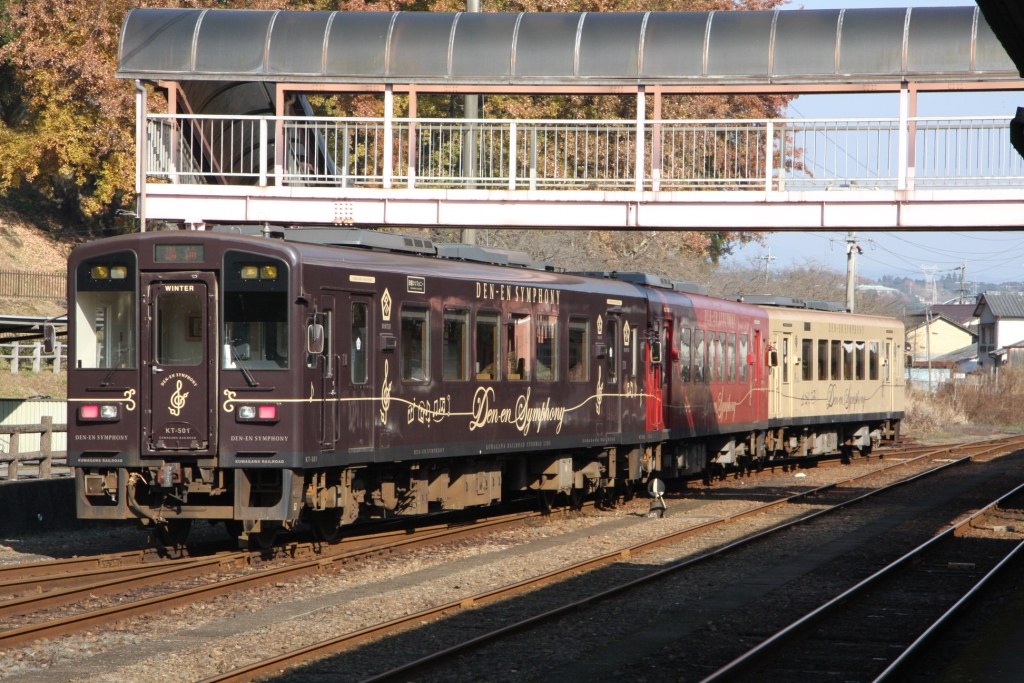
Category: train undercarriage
[256,504]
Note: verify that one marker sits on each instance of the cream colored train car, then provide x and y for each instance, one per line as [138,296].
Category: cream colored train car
[836,379]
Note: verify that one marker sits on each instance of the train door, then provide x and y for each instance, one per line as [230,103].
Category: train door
[656,384]
[756,380]
[613,379]
[355,378]
[888,399]
[179,341]
[786,374]
[329,430]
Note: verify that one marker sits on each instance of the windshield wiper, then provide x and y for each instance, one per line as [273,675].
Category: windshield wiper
[120,355]
[238,363]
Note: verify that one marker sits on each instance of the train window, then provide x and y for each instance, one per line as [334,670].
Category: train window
[743,358]
[179,328]
[859,365]
[359,340]
[836,359]
[822,360]
[712,354]
[685,352]
[635,347]
[611,331]
[888,355]
[255,314]
[873,361]
[518,338]
[488,355]
[547,348]
[456,345]
[730,358]
[848,360]
[785,359]
[807,359]
[105,329]
[721,357]
[415,346]
[698,357]
[579,344]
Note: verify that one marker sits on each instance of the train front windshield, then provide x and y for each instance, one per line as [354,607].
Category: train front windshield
[255,313]
[105,327]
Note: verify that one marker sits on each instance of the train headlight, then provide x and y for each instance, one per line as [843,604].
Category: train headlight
[108,412]
[118,272]
[250,272]
[247,412]
[268,273]
[100,272]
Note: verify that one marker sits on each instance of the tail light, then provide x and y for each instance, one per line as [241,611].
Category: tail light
[89,412]
[268,412]
[257,413]
[98,413]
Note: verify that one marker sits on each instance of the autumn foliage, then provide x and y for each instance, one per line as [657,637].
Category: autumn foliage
[67,125]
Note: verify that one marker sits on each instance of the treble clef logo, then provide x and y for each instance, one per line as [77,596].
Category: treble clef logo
[177,400]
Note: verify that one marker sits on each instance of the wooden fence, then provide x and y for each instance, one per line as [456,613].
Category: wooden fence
[19,353]
[45,457]
[19,284]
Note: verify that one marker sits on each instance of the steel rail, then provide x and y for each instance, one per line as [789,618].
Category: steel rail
[765,648]
[344,641]
[78,622]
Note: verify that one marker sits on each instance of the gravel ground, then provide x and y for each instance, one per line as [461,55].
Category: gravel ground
[205,638]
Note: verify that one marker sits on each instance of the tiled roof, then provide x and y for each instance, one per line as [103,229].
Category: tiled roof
[1002,304]
[961,313]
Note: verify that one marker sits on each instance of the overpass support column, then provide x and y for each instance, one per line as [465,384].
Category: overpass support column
[389,139]
[413,142]
[641,113]
[656,144]
[911,135]
[903,154]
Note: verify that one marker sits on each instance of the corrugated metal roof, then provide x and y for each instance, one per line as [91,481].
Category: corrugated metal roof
[1002,304]
[969,352]
[961,313]
[821,46]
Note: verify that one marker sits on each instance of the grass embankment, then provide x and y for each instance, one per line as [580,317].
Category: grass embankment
[974,407]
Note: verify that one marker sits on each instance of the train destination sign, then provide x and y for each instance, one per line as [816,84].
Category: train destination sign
[178,253]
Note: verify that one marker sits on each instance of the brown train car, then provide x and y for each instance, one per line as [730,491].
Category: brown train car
[264,377]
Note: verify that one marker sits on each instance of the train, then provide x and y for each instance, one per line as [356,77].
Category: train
[268,377]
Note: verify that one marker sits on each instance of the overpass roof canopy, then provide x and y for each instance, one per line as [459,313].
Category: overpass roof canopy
[683,48]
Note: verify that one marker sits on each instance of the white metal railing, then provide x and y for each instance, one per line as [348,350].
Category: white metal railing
[18,354]
[529,154]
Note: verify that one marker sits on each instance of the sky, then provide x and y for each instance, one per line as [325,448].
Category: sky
[989,256]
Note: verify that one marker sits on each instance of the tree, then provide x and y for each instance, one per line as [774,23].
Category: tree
[67,124]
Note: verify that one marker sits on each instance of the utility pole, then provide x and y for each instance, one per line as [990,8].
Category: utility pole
[928,344]
[963,288]
[767,258]
[470,110]
[852,249]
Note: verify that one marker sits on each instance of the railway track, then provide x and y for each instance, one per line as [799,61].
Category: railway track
[324,558]
[97,571]
[959,454]
[854,635]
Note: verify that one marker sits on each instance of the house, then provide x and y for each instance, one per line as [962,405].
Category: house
[962,314]
[937,337]
[960,361]
[1000,325]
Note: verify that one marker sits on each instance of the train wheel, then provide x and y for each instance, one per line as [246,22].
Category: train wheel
[174,532]
[264,538]
[326,525]
[545,499]
[576,498]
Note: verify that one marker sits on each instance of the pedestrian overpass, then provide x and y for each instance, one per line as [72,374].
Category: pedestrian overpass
[240,142]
